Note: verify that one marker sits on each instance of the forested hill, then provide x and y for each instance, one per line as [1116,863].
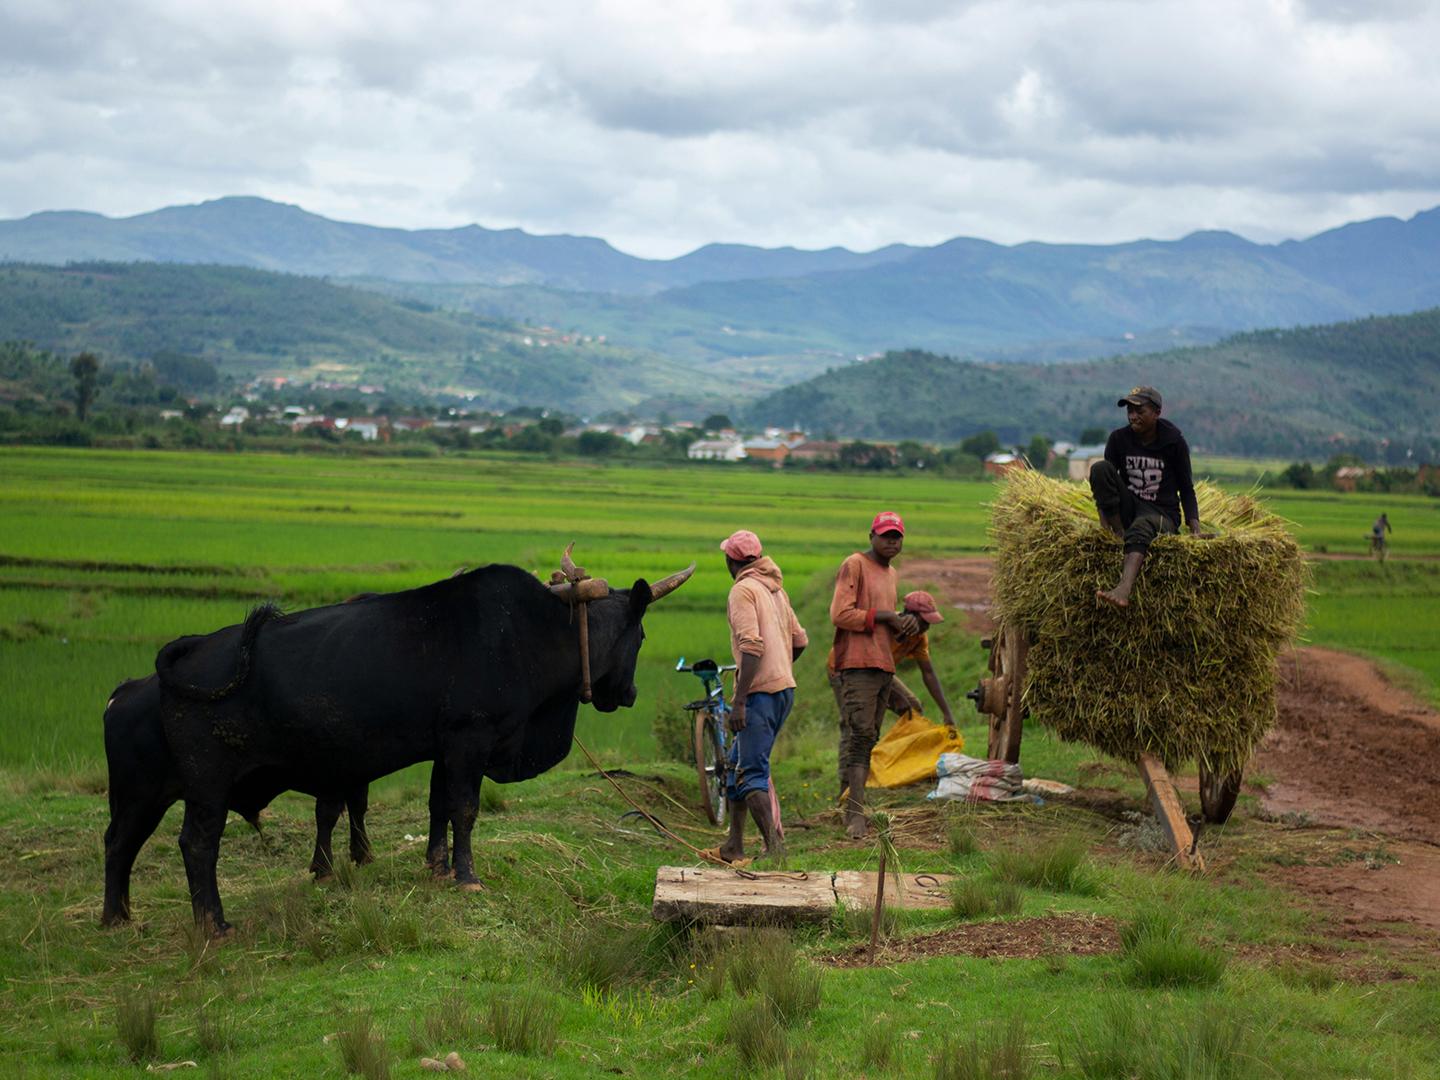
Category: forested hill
[250,322]
[1314,391]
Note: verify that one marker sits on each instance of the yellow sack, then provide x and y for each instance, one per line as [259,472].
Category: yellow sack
[908,752]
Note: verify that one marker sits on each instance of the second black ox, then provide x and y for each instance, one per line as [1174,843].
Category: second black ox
[479,673]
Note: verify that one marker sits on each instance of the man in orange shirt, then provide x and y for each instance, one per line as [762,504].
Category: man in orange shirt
[766,639]
[866,626]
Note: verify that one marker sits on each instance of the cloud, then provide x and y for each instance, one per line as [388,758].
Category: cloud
[664,126]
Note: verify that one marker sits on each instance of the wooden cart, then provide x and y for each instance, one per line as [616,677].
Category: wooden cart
[1000,695]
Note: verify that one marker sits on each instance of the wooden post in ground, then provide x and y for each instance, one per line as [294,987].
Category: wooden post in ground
[1169,812]
[879,906]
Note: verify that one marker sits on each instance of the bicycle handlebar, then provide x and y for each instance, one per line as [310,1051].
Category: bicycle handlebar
[703,667]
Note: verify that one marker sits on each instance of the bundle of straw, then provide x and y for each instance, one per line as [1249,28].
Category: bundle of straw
[1188,671]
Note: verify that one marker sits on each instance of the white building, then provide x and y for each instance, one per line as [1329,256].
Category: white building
[717,450]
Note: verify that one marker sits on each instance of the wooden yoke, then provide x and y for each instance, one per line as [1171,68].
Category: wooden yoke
[577,588]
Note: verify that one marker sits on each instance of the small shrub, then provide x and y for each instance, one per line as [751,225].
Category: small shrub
[362,1048]
[1059,867]
[791,985]
[376,928]
[214,1030]
[970,899]
[997,1053]
[1111,1047]
[750,952]
[522,1022]
[600,956]
[879,1045]
[135,1026]
[962,839]
[1302,975]
[674,730]
[452,1019]
[1159,954]
[1211,1044]
[1009,898]
[757,1034]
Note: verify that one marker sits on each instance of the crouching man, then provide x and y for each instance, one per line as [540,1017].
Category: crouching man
[1141,485]
[766,639]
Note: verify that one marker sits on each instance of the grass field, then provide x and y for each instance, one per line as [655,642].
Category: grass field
[106,556]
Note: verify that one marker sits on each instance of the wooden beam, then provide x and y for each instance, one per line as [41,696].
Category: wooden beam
[1170,813]
[856,889]
[713,894]
[727,898]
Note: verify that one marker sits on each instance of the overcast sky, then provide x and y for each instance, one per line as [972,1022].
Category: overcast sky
[662,126]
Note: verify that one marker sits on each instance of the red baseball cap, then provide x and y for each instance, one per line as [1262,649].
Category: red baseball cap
[887,521]
[741,544]
[923,604]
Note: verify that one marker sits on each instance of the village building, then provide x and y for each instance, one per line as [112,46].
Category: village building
[716,450]
[814,450]
[998,464]
[773,450]
[1080,460]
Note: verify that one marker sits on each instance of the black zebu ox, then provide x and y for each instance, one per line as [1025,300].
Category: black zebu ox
[480,673]
[144,783]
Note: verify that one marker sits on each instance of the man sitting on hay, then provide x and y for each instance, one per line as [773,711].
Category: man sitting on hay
[1140,486]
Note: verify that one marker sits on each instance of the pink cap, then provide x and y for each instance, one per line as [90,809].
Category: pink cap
[742,544]
[887,521]
[923,604]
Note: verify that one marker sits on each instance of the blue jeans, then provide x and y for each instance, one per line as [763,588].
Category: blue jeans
[750,750]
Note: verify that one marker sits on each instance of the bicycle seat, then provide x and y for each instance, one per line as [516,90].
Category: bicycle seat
[704,667]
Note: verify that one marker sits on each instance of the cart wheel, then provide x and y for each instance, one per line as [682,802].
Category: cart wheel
[1218,792]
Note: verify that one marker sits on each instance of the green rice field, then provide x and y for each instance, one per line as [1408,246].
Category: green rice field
[556,969]
[105,556]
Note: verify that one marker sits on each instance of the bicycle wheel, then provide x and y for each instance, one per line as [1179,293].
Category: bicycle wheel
[710,767]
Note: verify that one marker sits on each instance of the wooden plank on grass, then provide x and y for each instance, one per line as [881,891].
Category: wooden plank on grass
[1169,812]
[856,889]
[750,898]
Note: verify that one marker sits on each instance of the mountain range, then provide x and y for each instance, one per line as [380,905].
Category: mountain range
[1370,387]
[804,309]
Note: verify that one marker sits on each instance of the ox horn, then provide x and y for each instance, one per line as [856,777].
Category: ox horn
[665,586]
[568,567]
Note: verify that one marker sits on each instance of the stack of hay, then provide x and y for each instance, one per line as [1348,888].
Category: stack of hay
[1188,671]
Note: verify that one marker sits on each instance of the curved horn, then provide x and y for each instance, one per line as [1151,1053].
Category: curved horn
[668,585]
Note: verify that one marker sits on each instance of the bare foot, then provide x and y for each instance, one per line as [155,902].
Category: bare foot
[1113,599]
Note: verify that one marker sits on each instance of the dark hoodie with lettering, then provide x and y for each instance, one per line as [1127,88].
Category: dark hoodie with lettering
[1158,473]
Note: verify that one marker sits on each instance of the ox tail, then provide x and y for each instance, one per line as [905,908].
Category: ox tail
[176,651]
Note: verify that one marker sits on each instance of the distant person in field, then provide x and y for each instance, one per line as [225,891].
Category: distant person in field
[920,605]
[766,639]
[1141,485]
[866,629]
[1378,531]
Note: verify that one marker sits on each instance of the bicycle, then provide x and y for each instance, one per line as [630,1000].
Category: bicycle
[1379,546]
[711,736]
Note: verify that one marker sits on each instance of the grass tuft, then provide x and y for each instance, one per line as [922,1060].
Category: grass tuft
[452,1019]
[1209,1044]
[1158,953]
[135,1025]
[522,1022]
[214,1030]
[362,1048]
[961,839]
[1059,866]
[879,1045]
[757,1034]
[999,1052]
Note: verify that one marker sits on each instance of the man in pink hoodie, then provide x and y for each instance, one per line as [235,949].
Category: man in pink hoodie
[766,639]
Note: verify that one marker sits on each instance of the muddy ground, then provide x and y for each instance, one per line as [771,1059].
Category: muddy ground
[1350,751]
